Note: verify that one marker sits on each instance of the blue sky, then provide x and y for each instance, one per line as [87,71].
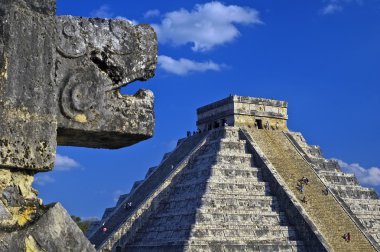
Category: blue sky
[323,57]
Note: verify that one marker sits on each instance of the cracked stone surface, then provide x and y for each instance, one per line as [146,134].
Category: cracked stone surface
[60,80]
[53,231]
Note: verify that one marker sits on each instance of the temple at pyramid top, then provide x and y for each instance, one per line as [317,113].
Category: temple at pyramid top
[243,111]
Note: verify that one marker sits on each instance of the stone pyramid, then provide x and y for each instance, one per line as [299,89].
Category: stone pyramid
[234,186]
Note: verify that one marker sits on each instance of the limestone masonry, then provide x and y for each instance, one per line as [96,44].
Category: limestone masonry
[59,85]
[243,182]
[243,111]
[235,186]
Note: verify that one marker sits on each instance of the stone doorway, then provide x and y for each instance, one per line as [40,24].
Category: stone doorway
[259,123]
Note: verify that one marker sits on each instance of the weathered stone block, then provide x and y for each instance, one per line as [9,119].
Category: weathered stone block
[27,98]
[59,81]
[53,231]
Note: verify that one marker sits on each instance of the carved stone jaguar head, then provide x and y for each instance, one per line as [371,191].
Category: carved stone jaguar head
[95,58]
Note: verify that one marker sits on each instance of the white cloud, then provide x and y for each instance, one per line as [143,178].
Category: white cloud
[206,26]
[104,11]
[370,176]
[334,6]
[65,163]
[62,163]
[331,8]
[152,13]
[43,179]
[185,66]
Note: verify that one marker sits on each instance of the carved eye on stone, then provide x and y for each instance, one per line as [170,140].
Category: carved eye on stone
[69,30]
[80,99]
[71,42]
[83,96]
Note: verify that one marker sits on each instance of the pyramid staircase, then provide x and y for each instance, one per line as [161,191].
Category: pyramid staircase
[142,196]
[363,203]
[220,203]
[215,192]
[325,211]
[216,199]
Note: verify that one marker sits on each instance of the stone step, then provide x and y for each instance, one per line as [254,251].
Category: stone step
[374,233]
[225,204]
[328,165]
[211,207]
[242,232]
[364,204]
[231,133]
[258,211]
[227,140]
[337,173]
[217,181]
[136,185]
[237,146]
[209,233]
[160,224]
[338,178]
[224,166]
[190,216]
[356,192]
[197,190]
[232,152]
[191,176]
[197,245]
[233,147]
[235,180]
[223,155]
[241,159]
[107,212]
[237,203]
[195,241]
[216,171]
[210,147]
[358,210]
[150,171]
[224,133]
[225,186]
[220,144]
[224,196]
[259,187]
[369,213]
[122,198]
[234,160]
[196,173]
[207,158]
[370,222]
[254,218]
